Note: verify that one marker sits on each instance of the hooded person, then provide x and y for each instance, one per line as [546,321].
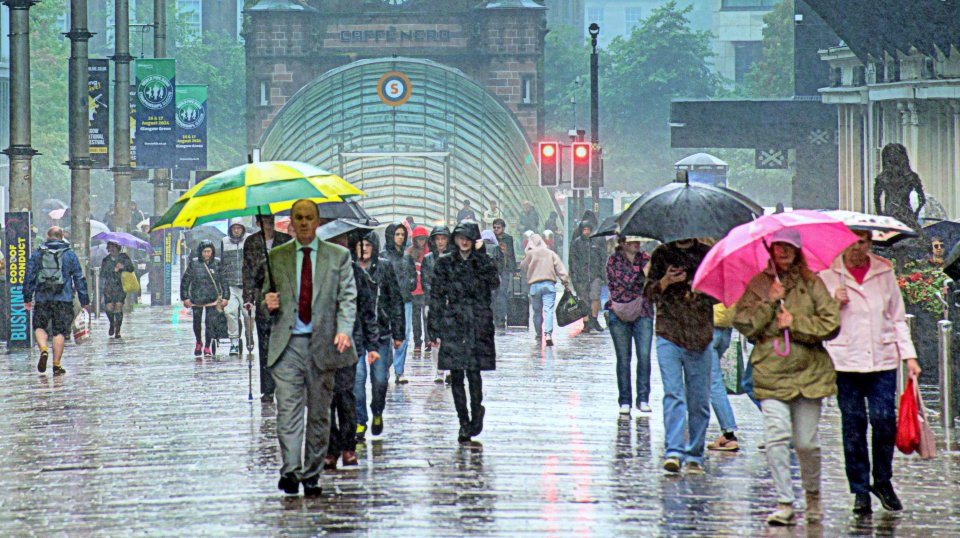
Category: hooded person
[395,237]
[439,244]
[543,268]
[231,258]
[391,329]
[461,321]
[366,336]
[417,251]
[203,289]
[588,261]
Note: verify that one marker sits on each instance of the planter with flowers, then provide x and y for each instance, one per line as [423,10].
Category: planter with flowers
[920,282]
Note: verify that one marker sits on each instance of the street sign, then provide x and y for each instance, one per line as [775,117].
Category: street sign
[394,88]
[17,250]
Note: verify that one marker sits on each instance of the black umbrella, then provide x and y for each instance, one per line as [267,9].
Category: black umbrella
[947,230]
[609,226]
[194,236]
[951,265]
[341,226]
[682,210]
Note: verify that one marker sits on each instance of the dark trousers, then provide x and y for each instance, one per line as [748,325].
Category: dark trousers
[267,385]
[856,393]
[419,319]
[343,411]
[203,316]
[460,394]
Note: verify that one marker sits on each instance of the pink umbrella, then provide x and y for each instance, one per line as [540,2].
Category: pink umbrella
[745,251]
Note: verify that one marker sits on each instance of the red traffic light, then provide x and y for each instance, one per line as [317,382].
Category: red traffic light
[581,152]
[548,150]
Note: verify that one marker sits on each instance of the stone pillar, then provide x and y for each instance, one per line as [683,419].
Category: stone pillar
[79,138]
[121,114]
[20,151]
[161,178]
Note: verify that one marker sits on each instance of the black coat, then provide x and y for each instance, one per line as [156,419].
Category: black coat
[110,278]
[588,258]
[365,330]
[429,262]
[255,266]
[203,287]
[403,264]
[460,311]
[510,256]
[390,317]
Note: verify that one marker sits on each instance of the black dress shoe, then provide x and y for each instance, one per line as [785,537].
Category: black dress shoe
[312,489]
[862,504]
[888,497]
[476,425]
[267,398]
[289,484]
[464,435]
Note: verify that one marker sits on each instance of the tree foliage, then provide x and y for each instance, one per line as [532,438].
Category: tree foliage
[773,75]
[662,59]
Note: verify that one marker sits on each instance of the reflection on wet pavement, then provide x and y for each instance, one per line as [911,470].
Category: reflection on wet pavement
[140,438]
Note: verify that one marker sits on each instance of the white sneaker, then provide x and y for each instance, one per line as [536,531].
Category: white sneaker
[644,407]
[624,409]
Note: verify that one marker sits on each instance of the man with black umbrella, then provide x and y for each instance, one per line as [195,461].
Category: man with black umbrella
[684,329]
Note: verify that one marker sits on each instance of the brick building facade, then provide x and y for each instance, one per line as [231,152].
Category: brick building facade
[292,42]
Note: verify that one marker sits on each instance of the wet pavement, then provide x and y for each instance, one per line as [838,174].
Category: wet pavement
[139,438]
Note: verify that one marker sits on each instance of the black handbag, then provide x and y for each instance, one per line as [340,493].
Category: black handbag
[571,308]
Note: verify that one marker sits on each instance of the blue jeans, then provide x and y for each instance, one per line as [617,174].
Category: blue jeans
[686,399]
[543,295]
[379,373]
[500,298]
[860,395]
[625,336]
[718,392]
[400,354]
[746,383]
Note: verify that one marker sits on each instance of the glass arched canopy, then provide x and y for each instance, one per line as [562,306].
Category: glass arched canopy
[451,140]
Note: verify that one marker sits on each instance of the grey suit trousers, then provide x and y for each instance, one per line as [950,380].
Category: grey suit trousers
[301,384]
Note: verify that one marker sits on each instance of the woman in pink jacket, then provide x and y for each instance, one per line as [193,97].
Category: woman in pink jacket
[873,339]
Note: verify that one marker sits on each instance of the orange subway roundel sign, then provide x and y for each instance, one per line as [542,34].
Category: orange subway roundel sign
[394,88]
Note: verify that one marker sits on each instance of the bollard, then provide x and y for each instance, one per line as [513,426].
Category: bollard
[96,292]
[902,367]
[945,331]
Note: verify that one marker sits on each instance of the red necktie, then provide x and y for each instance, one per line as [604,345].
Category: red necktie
[306,286]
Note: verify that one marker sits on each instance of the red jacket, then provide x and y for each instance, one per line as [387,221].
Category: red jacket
[419,231]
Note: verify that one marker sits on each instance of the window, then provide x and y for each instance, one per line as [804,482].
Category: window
[631,17]
[526,95]
[594,14]
[264,93]
[193,17]
[745,54]
[749,5]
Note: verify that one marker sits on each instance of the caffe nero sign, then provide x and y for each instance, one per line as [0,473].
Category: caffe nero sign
[392,35]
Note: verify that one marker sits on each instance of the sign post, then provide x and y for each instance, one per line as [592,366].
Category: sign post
[17,251]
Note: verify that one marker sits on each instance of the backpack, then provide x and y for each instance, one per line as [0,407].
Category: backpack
[50,279]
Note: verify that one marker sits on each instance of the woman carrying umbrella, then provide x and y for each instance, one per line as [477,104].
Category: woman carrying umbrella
[788,311]
[111,282]
[202,289]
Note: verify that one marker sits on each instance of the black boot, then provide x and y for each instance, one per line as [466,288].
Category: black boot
[464,435]
[112,326]
[119,321]
[596,324]
[476,425]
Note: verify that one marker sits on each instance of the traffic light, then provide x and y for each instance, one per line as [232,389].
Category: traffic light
[549,159]
[580,158]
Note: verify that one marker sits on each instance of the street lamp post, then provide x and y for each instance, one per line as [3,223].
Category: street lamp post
[121,117]
[161,177]
[79,138]
[20,151]
[595,117]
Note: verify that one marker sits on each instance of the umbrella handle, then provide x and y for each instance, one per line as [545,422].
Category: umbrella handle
[786,340]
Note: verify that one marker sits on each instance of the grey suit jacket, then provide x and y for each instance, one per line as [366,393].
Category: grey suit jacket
[334,303]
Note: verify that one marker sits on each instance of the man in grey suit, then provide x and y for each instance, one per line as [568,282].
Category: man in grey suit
[311,320]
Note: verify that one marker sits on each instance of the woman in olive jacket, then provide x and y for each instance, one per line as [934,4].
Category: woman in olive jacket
[461,321]
[790,379]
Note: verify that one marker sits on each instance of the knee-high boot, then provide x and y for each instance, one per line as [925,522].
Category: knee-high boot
[112,324]
[118,321]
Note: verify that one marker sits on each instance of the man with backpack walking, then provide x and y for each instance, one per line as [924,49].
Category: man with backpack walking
[53,275]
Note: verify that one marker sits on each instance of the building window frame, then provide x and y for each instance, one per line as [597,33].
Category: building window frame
[264,92]
[526,90]
[632,16]
[748,5]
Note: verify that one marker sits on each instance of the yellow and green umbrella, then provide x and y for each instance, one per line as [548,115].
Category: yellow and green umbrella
[261,188]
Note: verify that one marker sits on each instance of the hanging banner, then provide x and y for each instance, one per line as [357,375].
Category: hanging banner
[16,249]
[191,133]
[156,112]
[98,85]
[133,125]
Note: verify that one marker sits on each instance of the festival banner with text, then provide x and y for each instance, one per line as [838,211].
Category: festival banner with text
[156,112]
[191,132]
[17,250]
[98,84]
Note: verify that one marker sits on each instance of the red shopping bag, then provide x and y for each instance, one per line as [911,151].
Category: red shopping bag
[908,421]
